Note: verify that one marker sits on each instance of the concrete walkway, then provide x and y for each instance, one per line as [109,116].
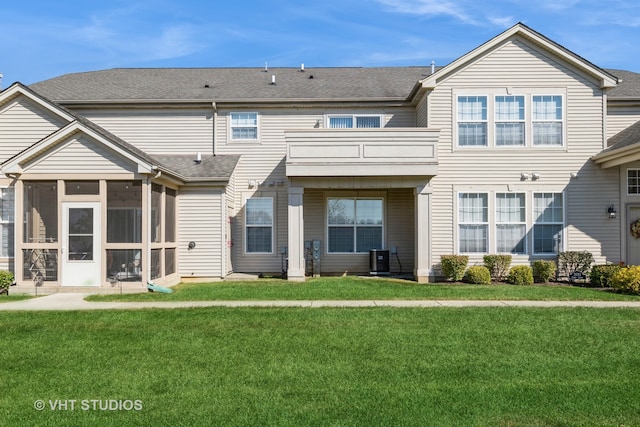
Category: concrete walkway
[75,301]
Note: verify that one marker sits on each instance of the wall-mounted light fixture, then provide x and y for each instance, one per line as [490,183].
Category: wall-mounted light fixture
[535,176]
[524,176]
[252,183]
[612,212]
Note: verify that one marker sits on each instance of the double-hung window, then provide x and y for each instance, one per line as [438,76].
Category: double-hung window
[259,225]
[355,121]
[244,126]
[7,221]
[511,223]
[546,117]
[548,222]
[633,181]
[473,222]
[509,120]
[354,225]
[472,121]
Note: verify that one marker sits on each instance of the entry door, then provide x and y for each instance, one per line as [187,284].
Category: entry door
[81,246]
[633,243]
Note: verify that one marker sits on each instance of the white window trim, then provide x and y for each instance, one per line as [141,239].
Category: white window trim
[486,121]
[494,135]
[243,140]
[562,246]
[491,94]
[487,223]
[496,223]
[354,226]
[273,222]
[562,121]
[492,223]
[626,177]
[353,116]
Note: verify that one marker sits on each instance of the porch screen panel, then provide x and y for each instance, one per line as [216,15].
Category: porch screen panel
[156,213]
[170,215]
[124,212]
[40,212]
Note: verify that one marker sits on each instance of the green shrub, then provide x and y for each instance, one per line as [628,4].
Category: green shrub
[627,279]
[498,265]
[572,262]
[478,275]
[6,280]
[520,275]
[454,266]
[600,276]
[543,270]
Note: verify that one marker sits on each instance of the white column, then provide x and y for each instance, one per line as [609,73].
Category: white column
[295,271]
[422,233]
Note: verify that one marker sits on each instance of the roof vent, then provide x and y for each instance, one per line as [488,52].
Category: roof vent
[433,67]
[198,158]
[273,79]
[1,76]
[302,67]
[266,67]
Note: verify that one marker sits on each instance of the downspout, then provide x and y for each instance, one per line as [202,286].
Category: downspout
[213,125]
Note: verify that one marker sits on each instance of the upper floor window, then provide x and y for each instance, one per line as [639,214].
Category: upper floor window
[546,117]
[472,120]
[244,126]
[354,121]
[510,120]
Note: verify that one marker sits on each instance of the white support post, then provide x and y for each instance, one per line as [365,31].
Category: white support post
[422,233]
[295,271]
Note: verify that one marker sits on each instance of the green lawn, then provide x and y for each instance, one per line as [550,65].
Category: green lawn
[300,367]
[10,298]
[355,288]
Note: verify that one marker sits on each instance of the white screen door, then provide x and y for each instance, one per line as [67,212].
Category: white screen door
[81,247]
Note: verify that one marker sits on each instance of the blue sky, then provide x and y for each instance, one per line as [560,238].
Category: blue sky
[42,38]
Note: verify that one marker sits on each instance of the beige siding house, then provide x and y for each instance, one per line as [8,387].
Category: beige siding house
[167,175]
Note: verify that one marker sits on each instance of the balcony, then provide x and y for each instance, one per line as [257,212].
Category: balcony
[362,152]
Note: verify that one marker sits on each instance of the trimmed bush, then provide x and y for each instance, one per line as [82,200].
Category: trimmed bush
[627,279]
[520,275]
[600,276]
[454,266]
[572,262]
[498,265]
[543,270]
[478,275]
[6,280]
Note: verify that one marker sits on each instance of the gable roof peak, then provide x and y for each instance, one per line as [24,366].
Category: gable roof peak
[523,31]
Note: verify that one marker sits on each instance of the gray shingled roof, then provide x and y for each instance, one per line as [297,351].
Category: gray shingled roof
[625,138]
[629,86]
[233,84]
[211,168]
[254,84]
